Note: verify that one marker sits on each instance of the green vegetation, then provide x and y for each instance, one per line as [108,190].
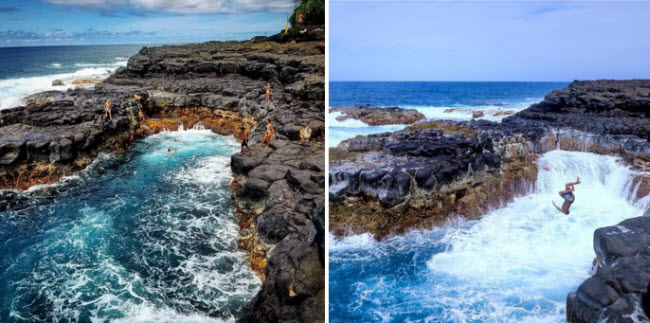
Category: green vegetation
[313,12]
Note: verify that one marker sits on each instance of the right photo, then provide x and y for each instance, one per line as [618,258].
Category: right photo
[489,161]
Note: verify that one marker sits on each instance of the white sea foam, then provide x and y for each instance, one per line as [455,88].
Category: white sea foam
[348,123]
[350,128]
[490,113]
[13,90]
[529,250]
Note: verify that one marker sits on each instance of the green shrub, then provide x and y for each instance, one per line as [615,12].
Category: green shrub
[313,12]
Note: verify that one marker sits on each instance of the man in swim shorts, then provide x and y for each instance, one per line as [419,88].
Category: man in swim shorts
[244,142]
[568,196]
[107,110]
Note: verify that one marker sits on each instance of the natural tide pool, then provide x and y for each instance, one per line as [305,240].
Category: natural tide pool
[148,237]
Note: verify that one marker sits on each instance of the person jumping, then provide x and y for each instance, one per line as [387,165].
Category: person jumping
[568,196]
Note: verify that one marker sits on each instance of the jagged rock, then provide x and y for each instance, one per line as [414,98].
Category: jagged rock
[376,116]
[418,177]
[616,291]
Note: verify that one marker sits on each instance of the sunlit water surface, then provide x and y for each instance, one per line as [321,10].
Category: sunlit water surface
[151,237]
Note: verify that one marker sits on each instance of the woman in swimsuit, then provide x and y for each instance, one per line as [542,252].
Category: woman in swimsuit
[269,132]
[268,91]
[568,196]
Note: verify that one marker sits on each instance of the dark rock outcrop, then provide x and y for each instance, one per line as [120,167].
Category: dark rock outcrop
[394,182]
[279,192]
[611,117]
[376,116]
[618,291]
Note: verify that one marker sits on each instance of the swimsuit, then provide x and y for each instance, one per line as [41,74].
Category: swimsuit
[569,197]
[244,143]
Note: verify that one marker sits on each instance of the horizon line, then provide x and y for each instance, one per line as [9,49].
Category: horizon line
[495,81]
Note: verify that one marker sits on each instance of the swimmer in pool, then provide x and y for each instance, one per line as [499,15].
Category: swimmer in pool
[568,196]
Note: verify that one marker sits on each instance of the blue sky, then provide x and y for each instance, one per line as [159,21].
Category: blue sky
[75,22]
[488,41]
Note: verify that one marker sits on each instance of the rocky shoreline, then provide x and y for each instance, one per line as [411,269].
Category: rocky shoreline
[278,193]
[431,172]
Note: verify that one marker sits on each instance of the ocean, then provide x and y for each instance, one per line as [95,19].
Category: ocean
[436,100]
[29,70]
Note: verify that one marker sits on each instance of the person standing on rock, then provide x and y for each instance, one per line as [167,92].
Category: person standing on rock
[270,131]
[268,92]
[107,110]
[244,142]
[568,196]
[138,101]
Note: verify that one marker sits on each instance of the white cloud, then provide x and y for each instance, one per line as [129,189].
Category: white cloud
[185,6]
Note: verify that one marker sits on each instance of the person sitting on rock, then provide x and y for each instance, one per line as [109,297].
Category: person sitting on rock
[268,92]
[270,131]
[107,110]
[244,142]
[568,196]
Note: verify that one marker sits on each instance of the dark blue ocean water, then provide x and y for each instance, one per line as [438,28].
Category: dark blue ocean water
[29,70]
[149,237]
[439,94]
[45,60]
[436,100]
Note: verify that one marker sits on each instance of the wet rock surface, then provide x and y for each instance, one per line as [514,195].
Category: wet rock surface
[279,192]
[615,113]
[618,291]
[376,116]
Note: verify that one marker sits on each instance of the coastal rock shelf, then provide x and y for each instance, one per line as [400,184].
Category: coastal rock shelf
[279,192]
[376,116]
[419,177]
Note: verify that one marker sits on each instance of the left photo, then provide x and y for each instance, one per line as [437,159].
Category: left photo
[162,161]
